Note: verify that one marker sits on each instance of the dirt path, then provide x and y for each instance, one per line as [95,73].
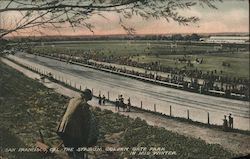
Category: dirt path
[235,142]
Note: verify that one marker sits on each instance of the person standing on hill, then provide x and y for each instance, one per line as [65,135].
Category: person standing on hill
[78,127]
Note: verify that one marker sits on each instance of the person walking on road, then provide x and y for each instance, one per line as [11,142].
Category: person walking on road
[103,99]
[100,99]
[117,104]
[129,105]
[225,123]
[230,119]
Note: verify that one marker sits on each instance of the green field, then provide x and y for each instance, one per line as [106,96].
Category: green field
[239,62]
[125,48]
[152,51]
[27,106]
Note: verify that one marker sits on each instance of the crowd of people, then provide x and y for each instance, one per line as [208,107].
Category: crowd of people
[215,75]
[227,84]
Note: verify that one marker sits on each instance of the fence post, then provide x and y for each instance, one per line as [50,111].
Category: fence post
[155,107]
[108,95]
[80,87]
[208,119]
[187,114]
[170,110]
[141,104]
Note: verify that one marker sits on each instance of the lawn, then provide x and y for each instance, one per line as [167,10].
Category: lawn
[126,47]
[27,106]
[239,62]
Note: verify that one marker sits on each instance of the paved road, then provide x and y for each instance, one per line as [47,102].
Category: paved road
[181,101]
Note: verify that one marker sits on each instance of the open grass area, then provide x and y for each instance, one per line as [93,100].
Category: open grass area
[131,47]
[239,62]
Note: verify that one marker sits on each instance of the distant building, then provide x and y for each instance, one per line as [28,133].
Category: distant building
[226,39]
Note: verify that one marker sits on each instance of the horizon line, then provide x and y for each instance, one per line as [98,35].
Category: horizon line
[88,35]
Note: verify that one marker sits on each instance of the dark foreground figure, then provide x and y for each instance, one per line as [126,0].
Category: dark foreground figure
[78,127]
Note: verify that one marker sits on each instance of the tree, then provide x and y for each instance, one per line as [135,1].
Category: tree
[76,13]
[195,37]
[177,37]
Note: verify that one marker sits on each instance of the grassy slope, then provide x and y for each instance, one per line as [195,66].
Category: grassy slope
[20,94]
[136,133]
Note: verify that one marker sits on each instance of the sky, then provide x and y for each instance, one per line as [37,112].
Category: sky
[231,16]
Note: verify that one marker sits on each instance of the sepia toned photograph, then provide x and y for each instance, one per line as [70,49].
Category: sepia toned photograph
[124,79]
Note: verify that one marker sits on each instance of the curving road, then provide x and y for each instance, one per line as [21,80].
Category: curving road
[180,101]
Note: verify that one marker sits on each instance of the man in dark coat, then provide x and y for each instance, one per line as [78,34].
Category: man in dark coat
[129,105]
[78,127]
[230,120]
[100,99]
[225,123]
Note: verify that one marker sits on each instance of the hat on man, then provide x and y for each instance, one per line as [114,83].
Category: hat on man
[87,94]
